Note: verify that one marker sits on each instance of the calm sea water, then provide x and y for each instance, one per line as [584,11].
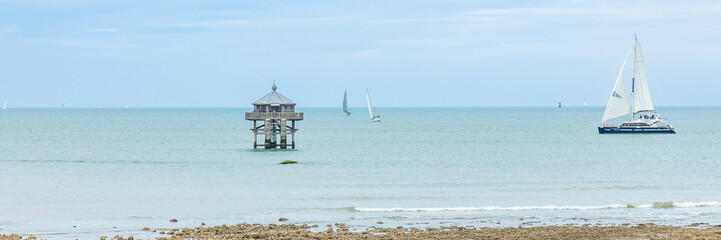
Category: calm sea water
[90,172]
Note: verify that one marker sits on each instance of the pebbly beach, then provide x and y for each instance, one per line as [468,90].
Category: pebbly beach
[342,231]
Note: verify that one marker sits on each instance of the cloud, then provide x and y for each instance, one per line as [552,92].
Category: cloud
[242,22]
[441,19]
[9,28]
[608,12]
[105,30]
[76,42]
[364,53]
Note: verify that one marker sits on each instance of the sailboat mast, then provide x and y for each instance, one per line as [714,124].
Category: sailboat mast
[633,77]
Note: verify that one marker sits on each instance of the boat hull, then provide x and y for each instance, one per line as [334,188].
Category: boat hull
[635,130]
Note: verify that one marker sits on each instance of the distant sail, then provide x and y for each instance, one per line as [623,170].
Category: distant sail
[370,108]
[374,118]
[617,104]
[5,104]
[345,103]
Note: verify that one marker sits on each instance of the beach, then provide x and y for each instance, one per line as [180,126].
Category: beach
[341,231]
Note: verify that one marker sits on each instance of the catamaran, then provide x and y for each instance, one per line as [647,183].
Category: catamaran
[345,103]
[644,118]
[374,118]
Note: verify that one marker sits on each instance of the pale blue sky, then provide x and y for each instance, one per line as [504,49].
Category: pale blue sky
[173,53]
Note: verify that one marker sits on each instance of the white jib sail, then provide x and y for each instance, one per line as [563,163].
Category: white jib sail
[641,95]
[370,108]
[617,104]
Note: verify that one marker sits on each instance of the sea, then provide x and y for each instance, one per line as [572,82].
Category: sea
[85,173]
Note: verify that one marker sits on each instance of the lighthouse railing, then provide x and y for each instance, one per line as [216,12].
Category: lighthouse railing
[273,115]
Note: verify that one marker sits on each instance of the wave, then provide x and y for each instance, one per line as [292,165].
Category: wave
[546,207]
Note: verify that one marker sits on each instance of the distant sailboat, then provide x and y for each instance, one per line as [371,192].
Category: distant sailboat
[5,104]
[374,118]
[345,103]
[640,98]
[584,102]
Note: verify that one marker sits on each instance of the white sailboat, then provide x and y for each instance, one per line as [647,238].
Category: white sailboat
[345,103]
[5,104]
[374,118]
[648,120]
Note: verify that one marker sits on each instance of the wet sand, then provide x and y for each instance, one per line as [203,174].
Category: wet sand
[341,231]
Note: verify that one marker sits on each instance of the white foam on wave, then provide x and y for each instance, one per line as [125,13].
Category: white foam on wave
[489,208]
[546,207]
[696,204]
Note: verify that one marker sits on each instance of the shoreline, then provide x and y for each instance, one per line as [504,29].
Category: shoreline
[343,231]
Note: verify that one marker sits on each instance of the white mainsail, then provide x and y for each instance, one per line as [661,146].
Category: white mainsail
[370,107]
[617,104]
[641,95]
[5,104]
[374,118]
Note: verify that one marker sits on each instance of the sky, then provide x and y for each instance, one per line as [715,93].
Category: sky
[451,53]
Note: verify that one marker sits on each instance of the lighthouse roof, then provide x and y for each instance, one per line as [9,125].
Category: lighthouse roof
[274,98]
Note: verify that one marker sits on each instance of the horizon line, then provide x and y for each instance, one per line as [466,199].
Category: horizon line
[225,107]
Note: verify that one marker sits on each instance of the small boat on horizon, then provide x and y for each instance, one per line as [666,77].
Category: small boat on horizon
[648,120]
[374,117]
[345,103]
[5,104]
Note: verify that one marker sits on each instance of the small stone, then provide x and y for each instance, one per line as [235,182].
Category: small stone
[75,226]
[288,162]
[202,224]
[173,220]
[161,232]
[379,222]
[520,219]
[282,219]
[146,229]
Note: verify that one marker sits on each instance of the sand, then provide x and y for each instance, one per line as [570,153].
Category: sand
[340,231]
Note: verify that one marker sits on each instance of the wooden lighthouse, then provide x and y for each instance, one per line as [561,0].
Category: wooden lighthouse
[277,116]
